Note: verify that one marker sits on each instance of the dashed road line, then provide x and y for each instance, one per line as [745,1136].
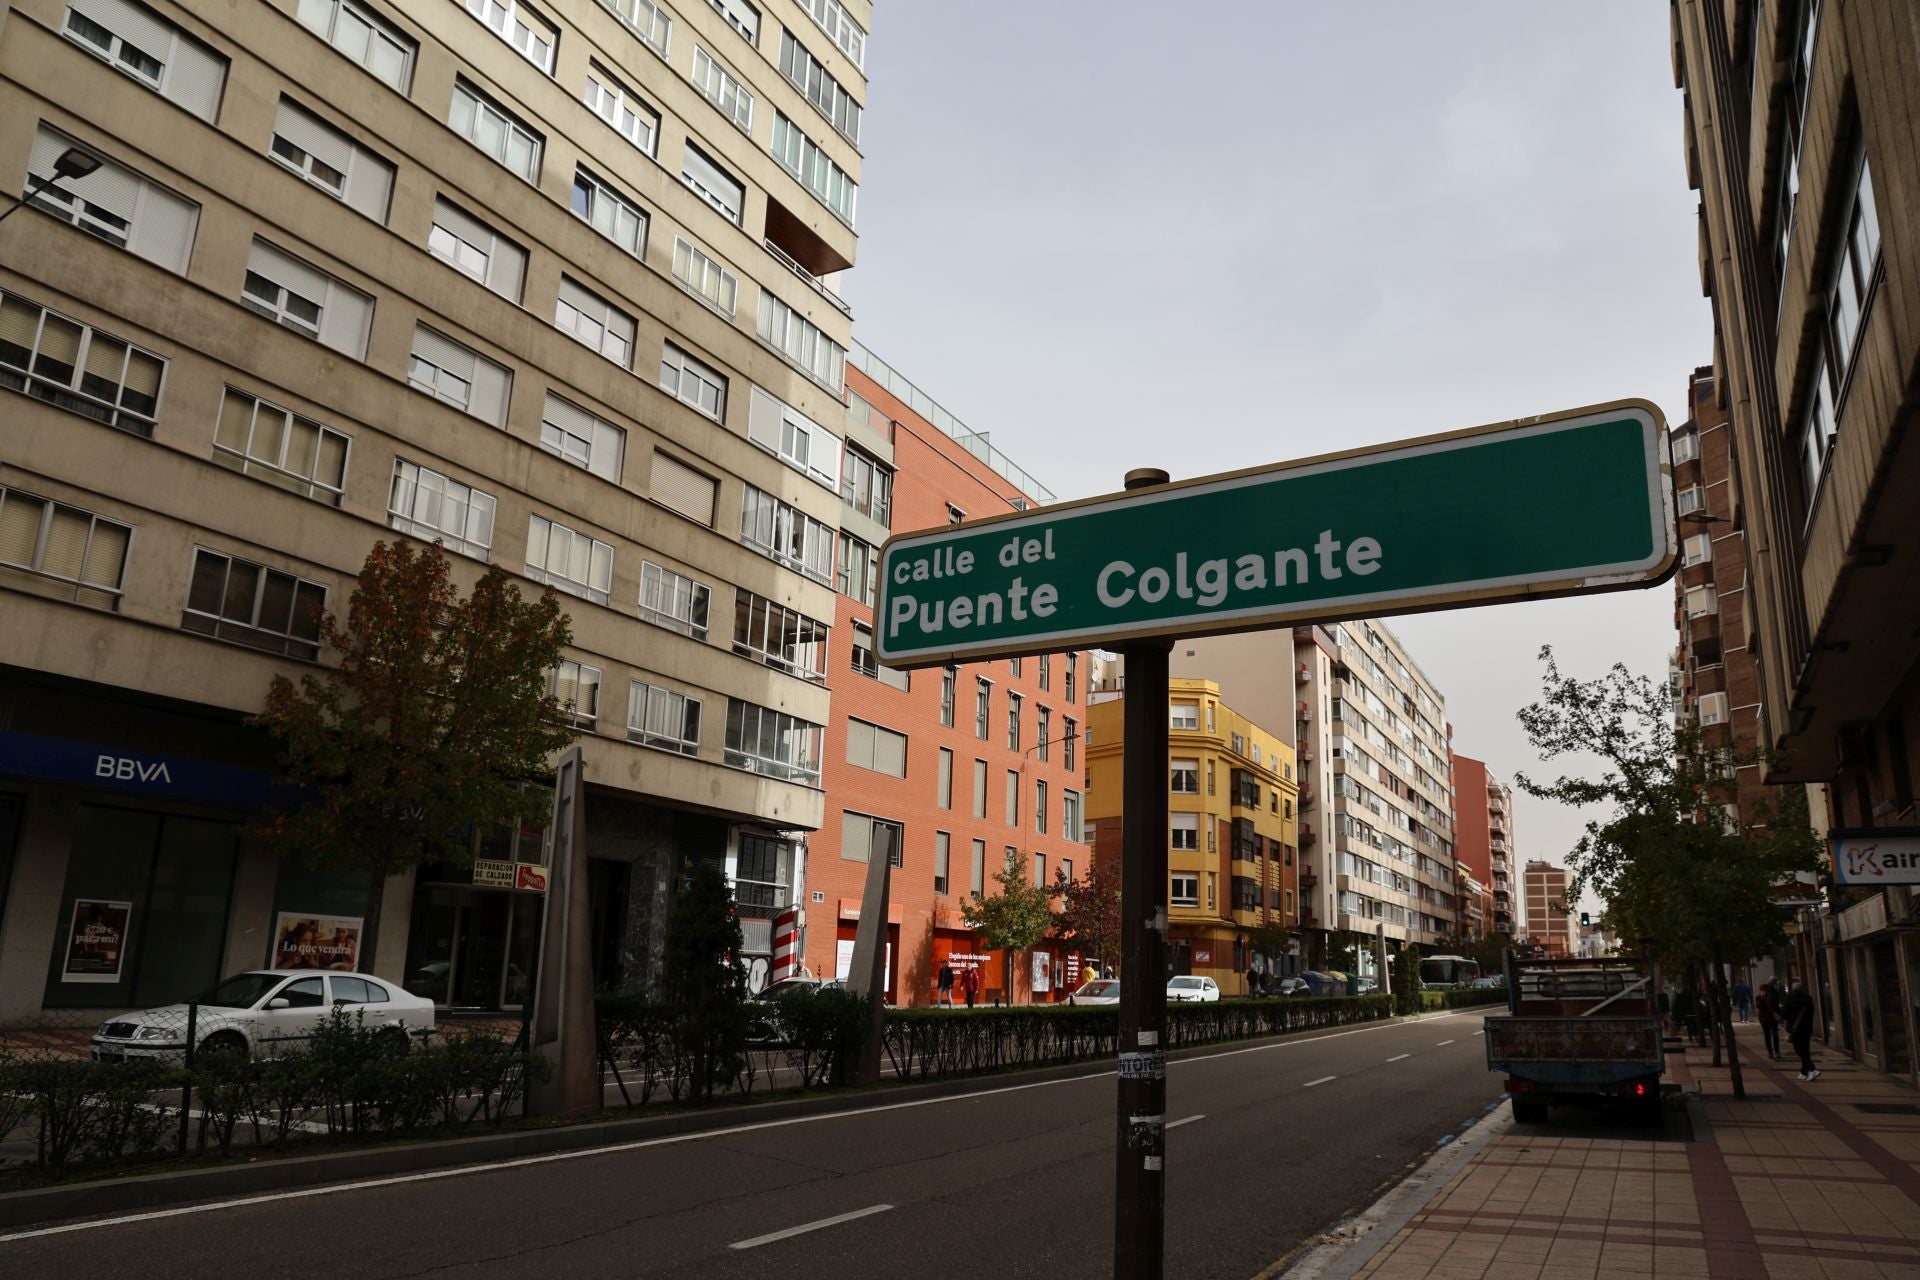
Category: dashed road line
[1188,1120]
[805,1227]
[1443,1044]
[1398,1057]
[1322,1080]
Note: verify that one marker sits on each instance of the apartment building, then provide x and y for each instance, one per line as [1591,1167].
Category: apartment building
[550,285]
[1483,844]
[1231,860]
[1798,126]
[955,769]
[1548,924]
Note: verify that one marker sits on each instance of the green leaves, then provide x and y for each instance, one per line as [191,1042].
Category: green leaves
[1014,919]
[1090,911]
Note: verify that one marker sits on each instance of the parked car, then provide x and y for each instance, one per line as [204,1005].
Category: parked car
[1324,984]
[763,1011]
[1293,987]
[264,1011]
[1188,989]
[1366,986]
[1492,983]
[1097,991]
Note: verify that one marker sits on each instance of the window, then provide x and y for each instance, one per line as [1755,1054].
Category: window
[948,678]
[651,22]
[979,788]
[1712,708]
[678,487]
[857,574]
[577,688]
[942,857]
[1186,777]
[1690,499]
[661,718]
[308,301]
[786,534]
[772,743]
[363,38]
[332,161]
[1852,274]
[943,780]
[115,205]
[529,33]
[1014,667]
[1040,806]
[740,15]
[629,115]
[76,367]
[867,665]
[955,515]
[794,438]
[1067,741]
[782,638]
[1013,798]
[712,282]
[1185,890]
[496,131]
[982,698]
[674,601]
[265,441]
[1186,715]
[594,322]
[1071,827]
[440,509]
[1686,446]
[1073,664]
[1817,432]
[977,879]
[469,245]
[1014,703]
[568,561]
[1186,831]
[1042,731]
[866,485]
[138,42]
[860,834]
[1046,673]
[802,157]
[712,183]
[722,89]
[582,439]
[693,382]
[801,341]
[250,604]
[62,552]
[869,746]
[846,34]
[820,88]
[610,213]
[1040,864]
[1701,601]
[1698,549]
[459,376]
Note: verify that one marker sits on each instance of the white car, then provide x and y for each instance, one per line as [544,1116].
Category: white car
[263,1011]
[1097,991]
[1187,989]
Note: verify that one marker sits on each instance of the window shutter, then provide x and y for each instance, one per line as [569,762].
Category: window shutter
[474,233]
[287,272]
[609,447]
[823,458]
[163,228]
[370,185]
[109,186]
[676,485]
[890,753]
[66,550]
[582,301]
[506,269]
[343,324]
[492,388]
[444,352]
[763,420]
[19,526]
[860,743]
[313,136]
[856,837]
[130,22]
[196,78]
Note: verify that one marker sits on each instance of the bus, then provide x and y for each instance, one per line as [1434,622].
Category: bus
[1448,971]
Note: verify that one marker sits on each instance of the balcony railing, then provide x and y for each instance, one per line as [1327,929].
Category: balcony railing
[786,260]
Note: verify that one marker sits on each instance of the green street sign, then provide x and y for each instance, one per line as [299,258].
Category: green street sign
[1562,504]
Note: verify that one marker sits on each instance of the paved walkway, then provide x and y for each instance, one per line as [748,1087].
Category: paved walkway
[1797,1182]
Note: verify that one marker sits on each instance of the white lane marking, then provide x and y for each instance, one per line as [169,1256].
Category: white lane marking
[805,1227]
[555,1157]
[1443,1044]
[1398,1057]
[1189,1120]
[1479,1033]
[1322,1080]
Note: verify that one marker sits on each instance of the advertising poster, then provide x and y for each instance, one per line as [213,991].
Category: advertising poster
[1042,973]
[315,942]
[97,942]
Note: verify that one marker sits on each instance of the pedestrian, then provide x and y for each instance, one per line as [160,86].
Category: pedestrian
[1798,1012]
[1253,979]
[1743,998]
[946,985]
[970,984]
[1769,1005]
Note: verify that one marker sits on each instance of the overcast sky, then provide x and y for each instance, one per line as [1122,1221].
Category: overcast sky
[1217,234]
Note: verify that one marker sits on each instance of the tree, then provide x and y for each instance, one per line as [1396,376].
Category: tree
[1269,941]
[1012,920]
[431,726]
[1676,870]
[1089,914]
[705,981]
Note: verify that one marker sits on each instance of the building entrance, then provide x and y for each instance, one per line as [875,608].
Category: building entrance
[473,949]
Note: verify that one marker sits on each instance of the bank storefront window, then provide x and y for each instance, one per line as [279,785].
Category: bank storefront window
[143,914]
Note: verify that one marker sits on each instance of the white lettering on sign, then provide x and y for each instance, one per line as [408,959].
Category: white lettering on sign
[131,769]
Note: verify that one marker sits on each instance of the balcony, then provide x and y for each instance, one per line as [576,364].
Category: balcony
[813,282]
[1306,836]
[1300,674]
[1303,710]
[1307,878]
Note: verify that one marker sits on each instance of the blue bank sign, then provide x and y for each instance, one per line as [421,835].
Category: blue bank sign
[97,765]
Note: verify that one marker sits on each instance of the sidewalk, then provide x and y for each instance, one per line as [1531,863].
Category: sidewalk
[1797,1182]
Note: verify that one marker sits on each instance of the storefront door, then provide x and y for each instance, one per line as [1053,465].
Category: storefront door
[473,948]
[1894,1039]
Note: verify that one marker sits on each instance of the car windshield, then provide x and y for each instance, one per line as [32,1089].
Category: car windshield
[1104,987]
[1187,983]
[242,991]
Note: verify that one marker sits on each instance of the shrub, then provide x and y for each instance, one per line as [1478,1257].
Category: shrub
[819,1029]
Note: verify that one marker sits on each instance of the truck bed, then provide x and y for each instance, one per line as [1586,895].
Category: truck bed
[1573,1050]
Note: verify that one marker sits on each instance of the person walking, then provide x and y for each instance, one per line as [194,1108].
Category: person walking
[946,985]
[1769,1007]
[1743,998]
[970,984]
[1798,1012]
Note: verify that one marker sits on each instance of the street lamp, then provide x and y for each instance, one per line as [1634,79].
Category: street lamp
[72,163]
[1701,517]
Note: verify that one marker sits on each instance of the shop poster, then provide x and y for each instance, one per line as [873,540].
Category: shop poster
[97,942]
[315,942]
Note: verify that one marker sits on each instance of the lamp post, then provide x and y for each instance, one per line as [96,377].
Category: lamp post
[72,163]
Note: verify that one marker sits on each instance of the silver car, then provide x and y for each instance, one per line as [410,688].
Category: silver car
[1098,991]
[264,1011]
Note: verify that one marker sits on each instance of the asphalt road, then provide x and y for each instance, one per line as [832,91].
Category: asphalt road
[1271,1144]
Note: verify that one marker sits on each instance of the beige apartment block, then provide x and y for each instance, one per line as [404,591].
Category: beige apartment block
[552,286]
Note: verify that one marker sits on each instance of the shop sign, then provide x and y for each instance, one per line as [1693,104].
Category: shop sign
[98,765]
[968,960]
[530,876]
[302,941]
[491,873]
[97,941]
[1073,970]
[1863,918]
[1203,956]
[1865,856]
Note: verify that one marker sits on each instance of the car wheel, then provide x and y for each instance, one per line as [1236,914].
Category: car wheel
[1529,1112]
[224,1044]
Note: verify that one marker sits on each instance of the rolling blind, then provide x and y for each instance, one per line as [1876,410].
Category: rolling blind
[674,484]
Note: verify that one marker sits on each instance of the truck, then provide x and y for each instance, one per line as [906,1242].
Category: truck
[1579,1032]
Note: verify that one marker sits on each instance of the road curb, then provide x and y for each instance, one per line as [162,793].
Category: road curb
[42,1205]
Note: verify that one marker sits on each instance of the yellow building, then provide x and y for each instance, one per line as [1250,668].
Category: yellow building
[1231,846]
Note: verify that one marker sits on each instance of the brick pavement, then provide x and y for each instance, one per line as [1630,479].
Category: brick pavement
[1797,1182]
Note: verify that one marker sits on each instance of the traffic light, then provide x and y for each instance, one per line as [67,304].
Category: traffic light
[1586,919]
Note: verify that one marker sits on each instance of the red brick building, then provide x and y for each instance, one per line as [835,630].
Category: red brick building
[1482,844]
[959,768]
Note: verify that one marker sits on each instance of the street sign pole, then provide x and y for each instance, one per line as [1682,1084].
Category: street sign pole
[1139,1206]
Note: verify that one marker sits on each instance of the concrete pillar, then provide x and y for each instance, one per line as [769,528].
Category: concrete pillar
[32,928]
